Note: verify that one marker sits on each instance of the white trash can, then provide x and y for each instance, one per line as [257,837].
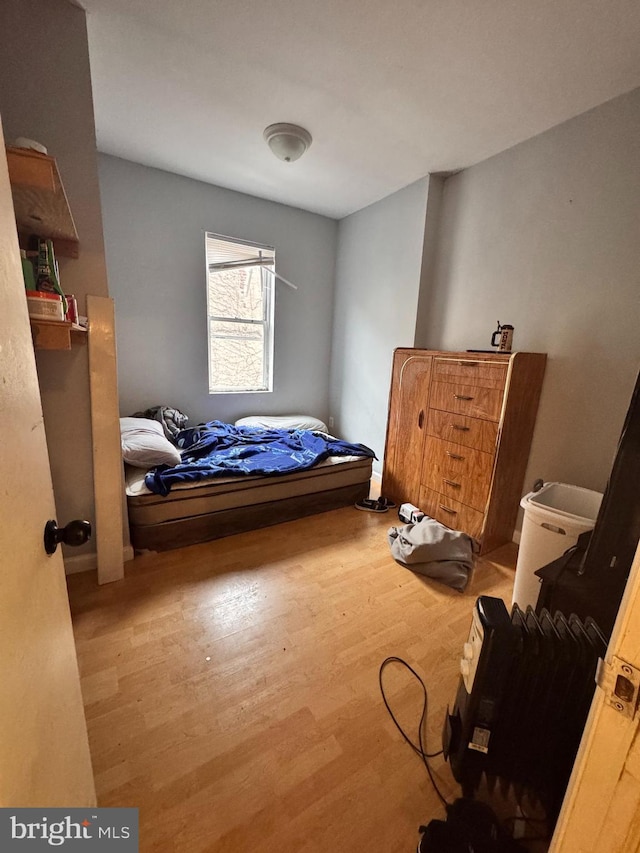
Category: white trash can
[554,517]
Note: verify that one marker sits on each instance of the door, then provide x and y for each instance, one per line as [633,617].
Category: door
[601,811]
[407,426]
[44,751]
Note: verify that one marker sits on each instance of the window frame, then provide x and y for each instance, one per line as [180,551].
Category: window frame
[266,266]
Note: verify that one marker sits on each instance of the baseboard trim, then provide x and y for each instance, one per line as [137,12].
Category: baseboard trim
[80,563]
[89,562]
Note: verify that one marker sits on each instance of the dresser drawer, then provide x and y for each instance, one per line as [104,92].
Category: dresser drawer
[456,471]
[483,374]
[451,513]
[470,400]
[472,432]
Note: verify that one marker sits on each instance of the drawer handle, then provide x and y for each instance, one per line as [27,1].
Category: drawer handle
[454,455]
[448,509]
[451,483]
[462,397]
[460,427]
[468,363]
[420,419]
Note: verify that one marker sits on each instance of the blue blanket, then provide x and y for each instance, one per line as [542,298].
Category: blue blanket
[217,449]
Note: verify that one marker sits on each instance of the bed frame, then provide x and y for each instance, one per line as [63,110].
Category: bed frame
[186,517]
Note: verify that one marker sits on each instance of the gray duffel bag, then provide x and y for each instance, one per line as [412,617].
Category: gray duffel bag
[431,549]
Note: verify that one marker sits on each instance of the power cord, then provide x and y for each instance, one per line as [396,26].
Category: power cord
[420,747]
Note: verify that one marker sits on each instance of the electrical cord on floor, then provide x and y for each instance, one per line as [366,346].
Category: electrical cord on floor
[420,747]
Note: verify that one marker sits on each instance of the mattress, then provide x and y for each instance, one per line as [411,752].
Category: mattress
[188,500]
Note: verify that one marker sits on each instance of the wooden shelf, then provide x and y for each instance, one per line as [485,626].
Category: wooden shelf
[56,334]
[39,200]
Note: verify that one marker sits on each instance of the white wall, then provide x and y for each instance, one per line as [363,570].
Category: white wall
[154,226]
[45,94]
[546,236]
[377,288]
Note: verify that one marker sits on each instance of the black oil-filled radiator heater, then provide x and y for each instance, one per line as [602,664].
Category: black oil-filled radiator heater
[522,702]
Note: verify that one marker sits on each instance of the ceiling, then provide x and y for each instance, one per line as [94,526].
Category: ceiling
[390,91]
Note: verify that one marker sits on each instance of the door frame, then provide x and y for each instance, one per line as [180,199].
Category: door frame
[601,808]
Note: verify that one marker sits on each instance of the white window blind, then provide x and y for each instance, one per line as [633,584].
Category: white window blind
[240,310]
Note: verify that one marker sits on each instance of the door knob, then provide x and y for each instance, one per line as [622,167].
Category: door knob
[77,532]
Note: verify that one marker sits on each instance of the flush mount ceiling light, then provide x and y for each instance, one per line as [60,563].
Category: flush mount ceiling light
[287,141]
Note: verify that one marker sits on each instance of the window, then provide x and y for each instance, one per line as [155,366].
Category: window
[240,307]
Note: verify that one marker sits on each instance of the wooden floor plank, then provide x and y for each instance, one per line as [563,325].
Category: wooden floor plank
[231,688]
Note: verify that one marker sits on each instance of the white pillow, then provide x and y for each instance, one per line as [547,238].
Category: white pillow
[144,444]
[283,422]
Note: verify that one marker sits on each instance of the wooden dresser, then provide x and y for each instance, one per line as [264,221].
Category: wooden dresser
[458,436]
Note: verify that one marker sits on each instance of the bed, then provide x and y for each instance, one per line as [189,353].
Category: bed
[205,509]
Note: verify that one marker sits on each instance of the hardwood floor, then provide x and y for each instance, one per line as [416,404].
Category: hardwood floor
[231,688]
